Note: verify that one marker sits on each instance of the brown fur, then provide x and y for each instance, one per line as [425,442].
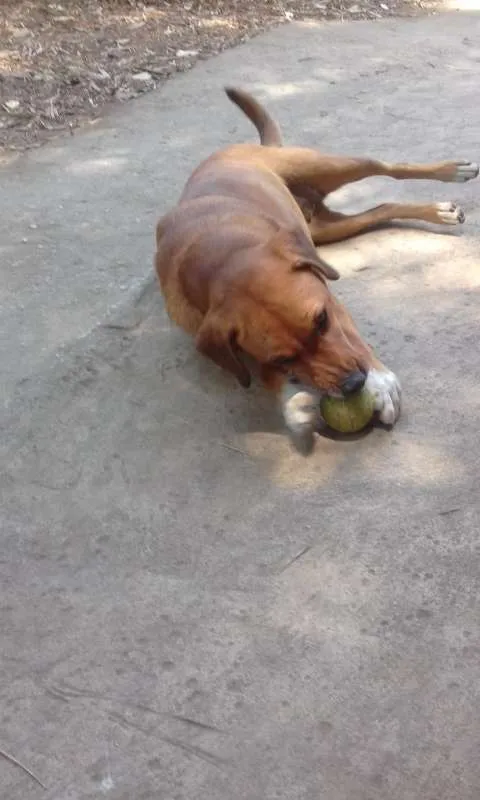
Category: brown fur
[237,263]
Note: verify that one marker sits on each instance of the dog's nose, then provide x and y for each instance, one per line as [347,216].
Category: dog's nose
[353,382]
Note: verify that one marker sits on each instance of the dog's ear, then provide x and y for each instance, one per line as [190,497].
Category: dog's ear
[319,267]
[216,339]
[298,245]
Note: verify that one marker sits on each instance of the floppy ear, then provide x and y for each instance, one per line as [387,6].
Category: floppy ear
[216,339]
[303,252]
[319,267]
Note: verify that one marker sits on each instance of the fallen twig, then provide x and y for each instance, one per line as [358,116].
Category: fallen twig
[17,763]
[234,449]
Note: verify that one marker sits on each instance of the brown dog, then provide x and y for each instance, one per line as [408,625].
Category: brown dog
[238,267]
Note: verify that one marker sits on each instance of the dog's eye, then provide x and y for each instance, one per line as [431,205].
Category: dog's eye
[283,361]
[321,322]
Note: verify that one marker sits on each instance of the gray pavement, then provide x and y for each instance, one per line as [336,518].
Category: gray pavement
[189,608]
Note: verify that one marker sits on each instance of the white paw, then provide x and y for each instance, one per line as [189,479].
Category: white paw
[449,214]
[386,389]
[301,410]
[465,171]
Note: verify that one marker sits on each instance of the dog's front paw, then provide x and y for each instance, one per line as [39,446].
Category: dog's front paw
[385,387]
[301,412]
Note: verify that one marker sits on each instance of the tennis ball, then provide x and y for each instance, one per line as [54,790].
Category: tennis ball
[348,414]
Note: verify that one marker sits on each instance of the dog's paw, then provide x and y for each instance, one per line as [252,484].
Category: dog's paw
[385,387]
[459,171]
[301,412]
[465,171]
[449,214]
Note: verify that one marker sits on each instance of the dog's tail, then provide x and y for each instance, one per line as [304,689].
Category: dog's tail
[268,129]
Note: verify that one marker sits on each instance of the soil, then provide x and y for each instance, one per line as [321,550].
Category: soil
[62,64]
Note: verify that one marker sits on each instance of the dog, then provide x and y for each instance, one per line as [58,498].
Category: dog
[238,268]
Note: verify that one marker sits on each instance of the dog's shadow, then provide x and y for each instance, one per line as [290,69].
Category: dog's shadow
[253,410]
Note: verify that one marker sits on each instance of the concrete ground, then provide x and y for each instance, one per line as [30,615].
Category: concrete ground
[189,608]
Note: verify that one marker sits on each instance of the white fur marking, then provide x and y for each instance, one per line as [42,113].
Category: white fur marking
[386,389]
[301,409]
[449,213]
[466,171]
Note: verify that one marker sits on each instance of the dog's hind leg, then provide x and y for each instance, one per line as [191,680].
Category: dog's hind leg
[299,167]
[331,226]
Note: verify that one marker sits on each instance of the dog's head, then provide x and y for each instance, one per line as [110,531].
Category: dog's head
[276,306]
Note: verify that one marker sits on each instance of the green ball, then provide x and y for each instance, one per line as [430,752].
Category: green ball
[348,414]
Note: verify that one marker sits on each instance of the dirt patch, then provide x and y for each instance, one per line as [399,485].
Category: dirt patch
[62,63]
